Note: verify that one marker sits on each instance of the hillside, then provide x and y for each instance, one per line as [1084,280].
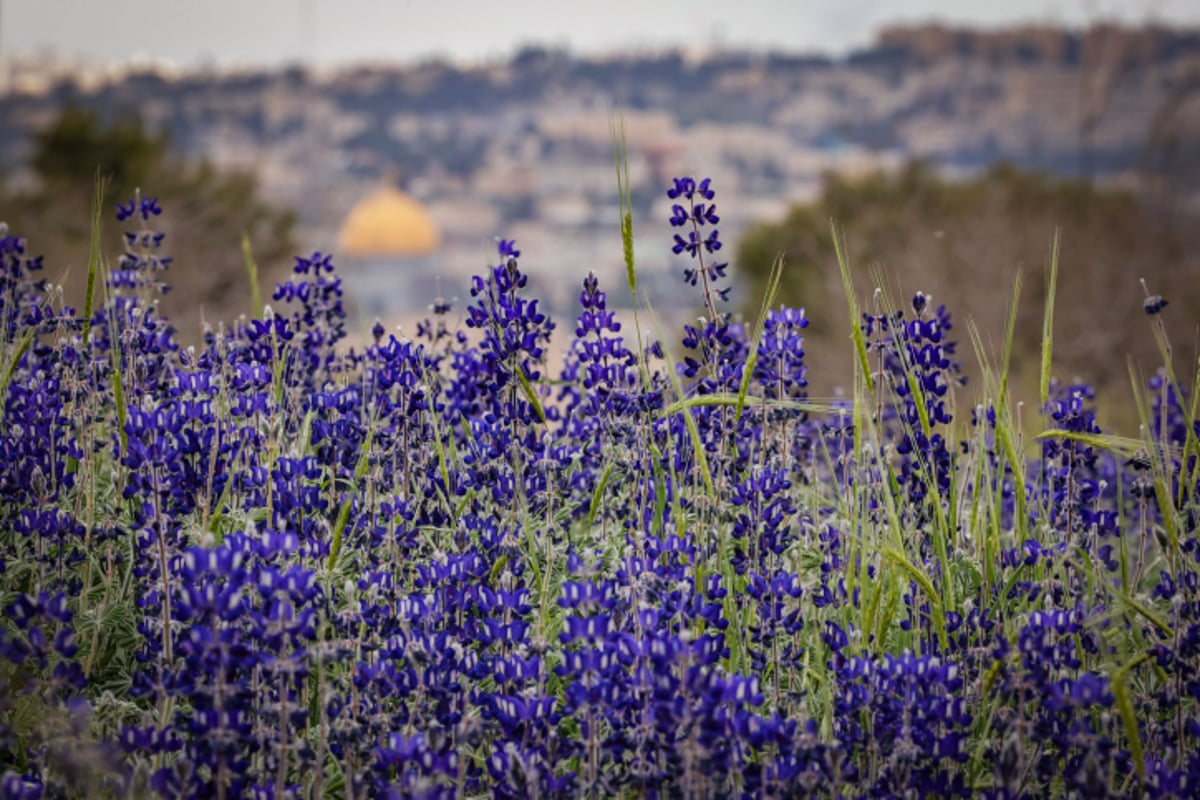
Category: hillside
[523,147]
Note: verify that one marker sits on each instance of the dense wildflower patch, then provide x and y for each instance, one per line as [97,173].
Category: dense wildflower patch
[279,566]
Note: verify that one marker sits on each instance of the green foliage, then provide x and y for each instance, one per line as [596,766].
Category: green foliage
[79,144]
[210,210]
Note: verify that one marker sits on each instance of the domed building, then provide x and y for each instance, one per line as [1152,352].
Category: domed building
[388,245]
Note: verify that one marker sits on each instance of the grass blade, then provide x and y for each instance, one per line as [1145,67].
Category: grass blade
[1120,445]
[1010,331]
[1048,322]
[726,399]
[760,324]
[252,274]
[1128,717]
[625,198]
[443,466]
[688,419]
[597,495]
[860,344]
[343,517]
[89,296]
[1147,614]
[118,386]
[935,599]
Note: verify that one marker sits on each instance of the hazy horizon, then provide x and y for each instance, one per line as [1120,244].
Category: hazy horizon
[327,33]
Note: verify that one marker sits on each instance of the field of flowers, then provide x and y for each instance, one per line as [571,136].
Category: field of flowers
[279,566]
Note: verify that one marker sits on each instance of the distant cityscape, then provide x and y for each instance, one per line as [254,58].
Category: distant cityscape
[523,149]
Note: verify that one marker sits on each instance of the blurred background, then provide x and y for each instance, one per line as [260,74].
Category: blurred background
[949,139]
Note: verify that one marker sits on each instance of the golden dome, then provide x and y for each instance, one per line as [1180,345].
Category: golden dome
[388,223]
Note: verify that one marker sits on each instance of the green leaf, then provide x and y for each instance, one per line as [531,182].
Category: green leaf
[497,568]
[530,394]
[12,364]
[597,495]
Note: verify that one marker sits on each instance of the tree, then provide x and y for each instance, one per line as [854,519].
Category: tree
[78,144]
[205,213]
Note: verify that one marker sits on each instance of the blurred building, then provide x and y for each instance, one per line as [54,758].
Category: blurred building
[388,247]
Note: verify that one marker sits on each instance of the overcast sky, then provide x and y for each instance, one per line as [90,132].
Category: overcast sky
[339,31]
